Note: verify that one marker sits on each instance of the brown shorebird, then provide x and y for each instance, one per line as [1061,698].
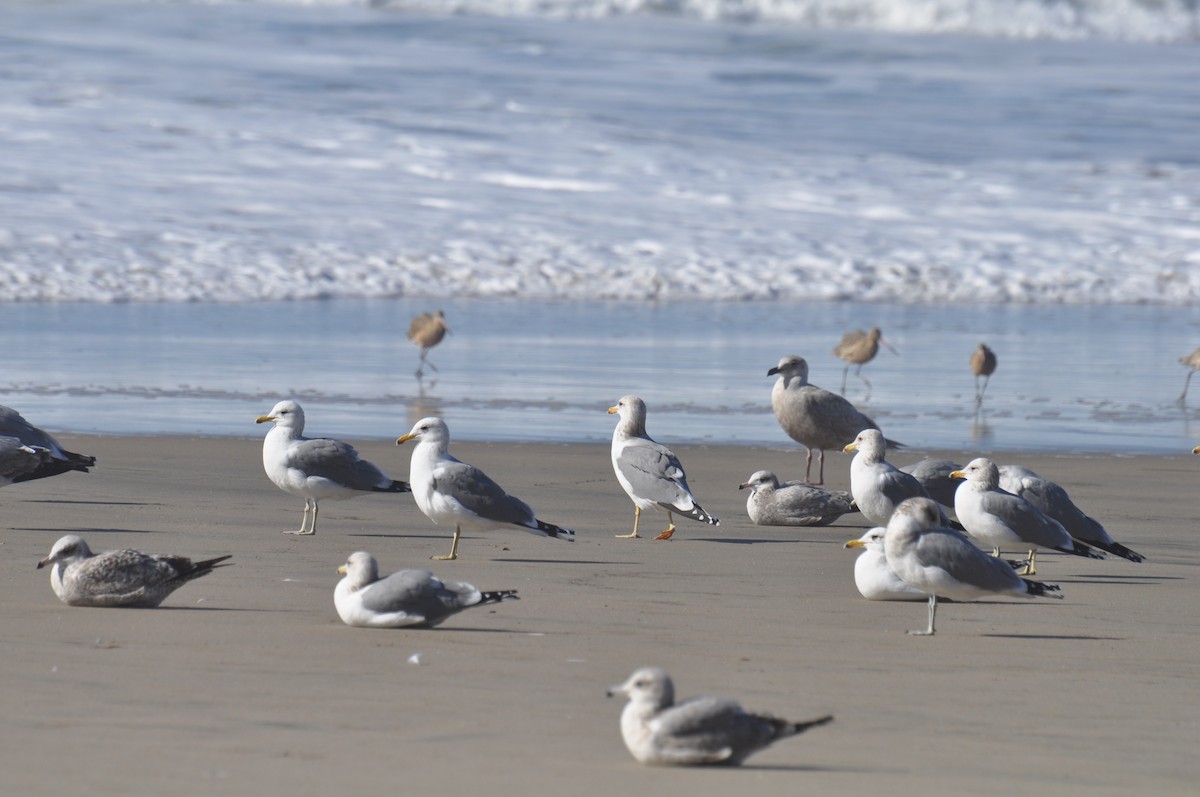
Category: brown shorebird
[859,347]
[427,331]
[983,363]
[1192,361]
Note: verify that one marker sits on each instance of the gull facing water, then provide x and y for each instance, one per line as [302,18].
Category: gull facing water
[702,730]
[406,598]
[316,467]
[943,563]
[451,491]
[649,472]
[118,578]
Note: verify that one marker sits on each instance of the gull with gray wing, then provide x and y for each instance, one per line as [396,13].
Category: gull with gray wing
[56,460]
[775,503]
[878,487]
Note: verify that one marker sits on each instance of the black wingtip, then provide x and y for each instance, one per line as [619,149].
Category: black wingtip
[397,486]
[1041,589]
[550,530]
[1117,549]
[496,596]
[801,727]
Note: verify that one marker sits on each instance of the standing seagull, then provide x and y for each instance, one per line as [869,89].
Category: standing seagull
[316,467]
[59,460]
[944,563]
[996,517]
[702,730]
[458,493]
[983,363]
[878,486]
[648,472]
[427,331]
[1054,501]
[858,348]
[118,578]
[812,416]
[772,503]
[403,599]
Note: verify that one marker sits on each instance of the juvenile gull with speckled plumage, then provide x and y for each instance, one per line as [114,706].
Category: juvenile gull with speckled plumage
[775,503]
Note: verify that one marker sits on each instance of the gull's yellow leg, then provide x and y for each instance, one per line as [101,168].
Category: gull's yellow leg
[453,548]
[637,516]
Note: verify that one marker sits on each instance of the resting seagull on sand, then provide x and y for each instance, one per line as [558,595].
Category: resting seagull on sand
[945,564]
[316,468]
[455,492]
[702,730]
[406,598]
[775,503]
[812,416]
[118,578]
[649,472]
[997,518]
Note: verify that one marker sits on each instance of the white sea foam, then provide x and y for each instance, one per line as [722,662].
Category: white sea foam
[261,152]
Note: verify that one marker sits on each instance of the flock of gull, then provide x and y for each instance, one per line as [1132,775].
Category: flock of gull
[939,528]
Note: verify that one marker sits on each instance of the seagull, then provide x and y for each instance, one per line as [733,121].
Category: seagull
[702,730]
[945,564]
[58,460]
[427,331]
[996,517]
[18,461]
[458,493]
[118,578]
[983,363]
[874,577]
[812,416]
[858,347]
[316,467]
[648,472]
[403,599]
[934,476]
[772,503]
[1055,503]
[877,486]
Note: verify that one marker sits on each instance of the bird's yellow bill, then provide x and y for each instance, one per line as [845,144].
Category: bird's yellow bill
[614,411]
[957,474]
[264,418]
[855,544]
[342,570]
[404,439]
[850,447]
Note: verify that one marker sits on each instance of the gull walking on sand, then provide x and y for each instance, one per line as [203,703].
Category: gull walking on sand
[944,564]
[125,578]
[649,472]
[996,517]
[983,363]
[858,347]
[406,598]
[874,577]
[772,503]
[455,492]
[427,331]
[315,467]
[878,487]
[54,461]
[812,416]
[702,730]
[1056,504]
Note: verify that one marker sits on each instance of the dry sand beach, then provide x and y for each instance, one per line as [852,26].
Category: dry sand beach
[246,682]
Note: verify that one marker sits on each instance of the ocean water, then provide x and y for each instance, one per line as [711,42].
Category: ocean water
[208,206]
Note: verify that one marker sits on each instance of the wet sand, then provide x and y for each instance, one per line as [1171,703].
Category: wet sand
[246,682]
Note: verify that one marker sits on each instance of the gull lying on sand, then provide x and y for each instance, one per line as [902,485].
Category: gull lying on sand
[702,730]
[943,563]
[316,467]
[772,503]
[118,578]
[649,472]
[874,577]
[934,476]
[455,492]
[405,598]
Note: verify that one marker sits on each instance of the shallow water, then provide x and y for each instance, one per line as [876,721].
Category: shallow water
[1070,378]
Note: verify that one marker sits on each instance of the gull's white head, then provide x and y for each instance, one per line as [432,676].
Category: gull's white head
[428,430]
[360,570]
[286,414]
[789,367]
[68,549]
[759,480]
[981,471]
[871,541]
[870,444]
[632,411]
[647,685]
[916,514]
